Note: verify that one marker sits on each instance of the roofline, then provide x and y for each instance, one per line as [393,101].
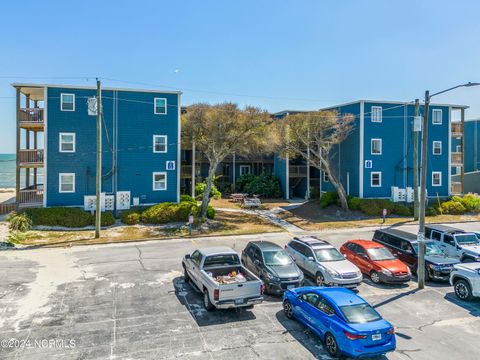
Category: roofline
[391,102]
[85,87]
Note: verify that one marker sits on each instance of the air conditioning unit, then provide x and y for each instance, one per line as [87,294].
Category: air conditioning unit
[123,200]
[89,203]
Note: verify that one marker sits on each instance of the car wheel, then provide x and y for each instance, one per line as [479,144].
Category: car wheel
[375,277]
[206,301]
[288,309]
[331,345]
[319,279]
[186,278]
[463,290]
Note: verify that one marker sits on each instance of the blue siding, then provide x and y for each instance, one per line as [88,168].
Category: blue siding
[131,113]
[280,171]
[472,145]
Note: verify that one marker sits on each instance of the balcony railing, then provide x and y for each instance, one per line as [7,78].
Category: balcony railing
[30,197]
[186,172]
[457,129]
[297,170]
[31,116]
[30,157]
[457,158]
[456,188]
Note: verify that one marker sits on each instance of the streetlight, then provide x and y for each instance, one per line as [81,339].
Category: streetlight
[423,182]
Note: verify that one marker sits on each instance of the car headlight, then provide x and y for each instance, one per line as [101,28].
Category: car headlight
[333,273]
[271,276]
[434,267]
[408,271]
[386,272]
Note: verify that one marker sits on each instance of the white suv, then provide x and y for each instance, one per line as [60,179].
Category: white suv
[455,242]
[465,279]
[323,262]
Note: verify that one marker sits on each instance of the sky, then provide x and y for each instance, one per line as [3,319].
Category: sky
[268,53]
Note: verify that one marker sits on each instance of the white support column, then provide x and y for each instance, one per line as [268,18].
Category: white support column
[361,165]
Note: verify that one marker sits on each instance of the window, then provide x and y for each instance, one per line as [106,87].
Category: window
[436,235]
[196,258]
[67,102]
[160,106]
[448,239]
[376,114]
[66,142]
[159,143]
[311,298]
[159,181]
[406,246]
[376,179]
[325,307]
[245,169]
[66,182]
[437,148]
[458,148]
[437,117]
[326,178]
[436,178]
[376,147]
[308,252]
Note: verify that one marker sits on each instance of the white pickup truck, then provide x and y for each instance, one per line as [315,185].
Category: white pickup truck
[218,273]
[465,279]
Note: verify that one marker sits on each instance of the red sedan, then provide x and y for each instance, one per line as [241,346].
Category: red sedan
[376,261]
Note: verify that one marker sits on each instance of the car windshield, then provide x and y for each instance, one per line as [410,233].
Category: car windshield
[329,254]
[279,257]
[222,260]
[430,249]
[380,253]
[361,313]
[467,239]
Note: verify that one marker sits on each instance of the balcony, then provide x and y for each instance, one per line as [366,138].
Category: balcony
[457,159]
[186,172]
[457,129]
[30,158]
[30,197]
[297,171]
[31,118]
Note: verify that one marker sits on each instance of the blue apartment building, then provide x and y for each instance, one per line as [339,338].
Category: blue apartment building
[56,146]
[378,155]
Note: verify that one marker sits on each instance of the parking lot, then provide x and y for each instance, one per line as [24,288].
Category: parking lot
[129,301]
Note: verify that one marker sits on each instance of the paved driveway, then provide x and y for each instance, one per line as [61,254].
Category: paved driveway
[130,302]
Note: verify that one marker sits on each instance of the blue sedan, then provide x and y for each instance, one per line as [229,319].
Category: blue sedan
[346,323]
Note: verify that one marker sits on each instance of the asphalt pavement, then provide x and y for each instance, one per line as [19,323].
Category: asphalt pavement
[129,301]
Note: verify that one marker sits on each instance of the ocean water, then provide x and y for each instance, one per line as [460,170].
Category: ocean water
[7,172]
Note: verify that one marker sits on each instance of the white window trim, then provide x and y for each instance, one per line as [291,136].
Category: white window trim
[371,147]
[60,175]
[458,148]
[166,144]
[153,180]
[60,142]
[249,167]
[155,106]
[372,112]
[61,102]
[380,178]
[440,178]
[433,147]
[433,116]
[326,178]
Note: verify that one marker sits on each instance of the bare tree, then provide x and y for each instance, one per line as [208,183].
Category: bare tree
[315,136]
[224,129]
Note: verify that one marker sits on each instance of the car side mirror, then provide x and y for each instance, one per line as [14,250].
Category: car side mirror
[256,262]
[187,256]
[365,256]
[459,247]
[310,258]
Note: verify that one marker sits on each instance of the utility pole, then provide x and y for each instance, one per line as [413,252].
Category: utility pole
[194,171]
[416,128]
[98,183]
[423,197]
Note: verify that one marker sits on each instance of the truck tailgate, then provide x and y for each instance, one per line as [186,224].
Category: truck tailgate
[249,289]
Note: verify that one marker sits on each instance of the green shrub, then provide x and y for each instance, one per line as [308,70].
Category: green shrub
[431,211]
[60,216]
[20,222]
[210,212]
[374,207]
[168,212]
[107,219]
[264,185]
[187,198]
[354,203]
[200,189]
[452,207]
[328,198]
[314,193]
[131,217]
[402,210]
[470,202]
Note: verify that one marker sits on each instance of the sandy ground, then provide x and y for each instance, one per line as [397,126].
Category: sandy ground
[7,195]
